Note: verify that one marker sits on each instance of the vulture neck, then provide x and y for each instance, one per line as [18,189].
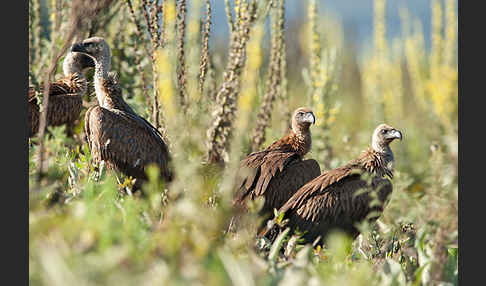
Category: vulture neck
[301,141]
[380,160]
[101,74]
[72,69]
[74,76]
[70,66]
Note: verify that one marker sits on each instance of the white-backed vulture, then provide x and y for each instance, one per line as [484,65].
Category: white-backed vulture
[329,201]
[65,95]
[277,172]
[114,132]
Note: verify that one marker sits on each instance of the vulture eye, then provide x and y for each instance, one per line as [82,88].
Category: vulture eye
[384,131]
[301,113]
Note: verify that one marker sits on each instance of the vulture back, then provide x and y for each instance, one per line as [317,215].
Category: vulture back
[318,209]
[125,142]
[275,176]
[65,102]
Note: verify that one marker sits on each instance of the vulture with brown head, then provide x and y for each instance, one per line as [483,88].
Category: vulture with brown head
[331,201]
[65,95]
[117,135]
[277,172]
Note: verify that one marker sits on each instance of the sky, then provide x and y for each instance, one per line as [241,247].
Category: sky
[356,17]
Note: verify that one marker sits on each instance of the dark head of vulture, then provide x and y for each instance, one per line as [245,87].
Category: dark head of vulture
[95,47]
[302,118]
[329,201]
[278,171]
[382,136]
[299,140]
[99,50]
[108,91]
[75,62]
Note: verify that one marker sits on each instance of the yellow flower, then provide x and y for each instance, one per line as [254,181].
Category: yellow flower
[165,85]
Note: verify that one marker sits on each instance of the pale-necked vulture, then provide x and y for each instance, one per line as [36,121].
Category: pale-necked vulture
[329,201]
[114,132]
[65,95]
[277,172]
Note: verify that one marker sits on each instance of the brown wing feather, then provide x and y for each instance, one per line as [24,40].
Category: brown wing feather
[256,172]
[287,182]
[65,102]
[321,182]
[125,142]
[329,202]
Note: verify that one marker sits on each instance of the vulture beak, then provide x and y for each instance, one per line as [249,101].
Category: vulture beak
[78,47]
[395,134]
[84,49]
[309,117]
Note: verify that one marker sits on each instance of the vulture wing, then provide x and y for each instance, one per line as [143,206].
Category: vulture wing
[126,140]
[276,175]
[64,103]
[287,182]
[257,170]
[319,184]
[330,201]
[31,94]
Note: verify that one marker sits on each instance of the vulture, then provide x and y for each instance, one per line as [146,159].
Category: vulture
[115,133]
[65,95]
[278,171]
[330,201]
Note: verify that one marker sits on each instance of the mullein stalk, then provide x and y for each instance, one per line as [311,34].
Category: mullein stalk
[250,78]
[221,130]
[165,62]
[229,15]
[273,80]
[284,100]
[181,61]
[450,43]
[39,45]
[203,65]
[323,76]
[211,82]
[194,49]
[149,22]
[379,39]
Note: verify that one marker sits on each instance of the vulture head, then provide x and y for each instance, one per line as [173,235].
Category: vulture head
[383,135]
[76,62]
[95,47]
[302,119]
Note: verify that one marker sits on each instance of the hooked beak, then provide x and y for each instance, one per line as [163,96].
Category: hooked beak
[78,47]
[309,117]
[395,134]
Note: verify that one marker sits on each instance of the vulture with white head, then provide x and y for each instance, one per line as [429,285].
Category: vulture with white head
[65,95]
[331,201]
[114,132]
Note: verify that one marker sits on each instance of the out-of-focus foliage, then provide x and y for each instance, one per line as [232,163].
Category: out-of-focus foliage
[85,230]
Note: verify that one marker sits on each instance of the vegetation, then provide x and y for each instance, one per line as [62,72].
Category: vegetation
[215,104]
